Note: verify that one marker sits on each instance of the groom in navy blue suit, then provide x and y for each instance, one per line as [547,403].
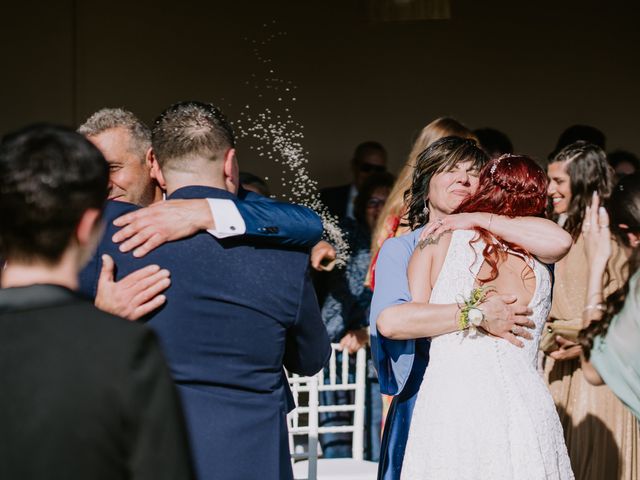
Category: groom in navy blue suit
[125,142]
[238,310]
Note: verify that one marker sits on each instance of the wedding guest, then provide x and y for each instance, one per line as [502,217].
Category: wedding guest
[125,142]
[623,163]
[579,133]
[346,315]
[602,436]
[493,141]
[237,313]
[610,341]
[368,158]
[391,222]
[85,395]
[254,183]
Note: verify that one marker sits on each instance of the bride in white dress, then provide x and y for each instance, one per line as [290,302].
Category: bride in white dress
[483,410]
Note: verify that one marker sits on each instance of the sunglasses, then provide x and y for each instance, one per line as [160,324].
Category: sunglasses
[369,167]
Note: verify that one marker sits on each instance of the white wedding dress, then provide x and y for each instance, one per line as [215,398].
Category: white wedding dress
[483,410]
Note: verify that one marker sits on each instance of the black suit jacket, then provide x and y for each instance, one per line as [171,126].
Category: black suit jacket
[84,395]
[336,199]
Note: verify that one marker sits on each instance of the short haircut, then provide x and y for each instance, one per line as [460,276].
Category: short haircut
[108,118]
[190,129]
[49,176]
[365,149]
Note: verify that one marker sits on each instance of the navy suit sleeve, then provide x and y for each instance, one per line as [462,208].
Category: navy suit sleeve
[393,358]
[282,223]
[307,348]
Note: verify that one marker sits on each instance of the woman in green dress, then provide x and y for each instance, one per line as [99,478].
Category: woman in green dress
[611,339]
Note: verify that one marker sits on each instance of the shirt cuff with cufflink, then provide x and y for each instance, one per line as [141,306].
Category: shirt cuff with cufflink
[227,218]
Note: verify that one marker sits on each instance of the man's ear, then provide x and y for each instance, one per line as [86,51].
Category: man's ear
[231,171]
[154,169]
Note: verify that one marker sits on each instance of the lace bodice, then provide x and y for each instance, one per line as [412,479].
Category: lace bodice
[483,411]
[455,282]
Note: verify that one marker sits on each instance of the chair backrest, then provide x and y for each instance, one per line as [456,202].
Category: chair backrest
[304,419]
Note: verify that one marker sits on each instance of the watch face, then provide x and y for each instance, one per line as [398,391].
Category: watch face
[475,316]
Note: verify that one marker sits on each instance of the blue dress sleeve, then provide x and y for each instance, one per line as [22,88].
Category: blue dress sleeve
[393,358]
[282,223]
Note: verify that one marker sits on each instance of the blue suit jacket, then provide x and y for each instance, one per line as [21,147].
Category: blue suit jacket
[282,223]
[278,223]
[237,311]
[400,363]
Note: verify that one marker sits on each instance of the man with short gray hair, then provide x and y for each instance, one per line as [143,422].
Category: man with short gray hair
[124,141]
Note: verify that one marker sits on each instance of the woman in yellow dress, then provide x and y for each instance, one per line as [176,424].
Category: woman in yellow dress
[602,435]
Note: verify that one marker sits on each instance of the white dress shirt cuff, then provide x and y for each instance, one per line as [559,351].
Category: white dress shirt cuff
[226,217]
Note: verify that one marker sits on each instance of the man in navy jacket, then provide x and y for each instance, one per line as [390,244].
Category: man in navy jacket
[237,310]
[125,141]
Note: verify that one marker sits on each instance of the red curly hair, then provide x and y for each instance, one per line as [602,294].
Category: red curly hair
[511,185]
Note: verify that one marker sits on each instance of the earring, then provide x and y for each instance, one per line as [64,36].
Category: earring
[425,210]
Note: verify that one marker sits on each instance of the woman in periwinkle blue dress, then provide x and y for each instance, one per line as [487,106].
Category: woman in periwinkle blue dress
[447,172]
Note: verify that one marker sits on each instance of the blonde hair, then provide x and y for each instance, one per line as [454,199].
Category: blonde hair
[395,208]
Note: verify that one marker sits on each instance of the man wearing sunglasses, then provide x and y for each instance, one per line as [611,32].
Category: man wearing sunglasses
[369,157]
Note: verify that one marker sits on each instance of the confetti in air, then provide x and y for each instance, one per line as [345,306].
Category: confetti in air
[275,135]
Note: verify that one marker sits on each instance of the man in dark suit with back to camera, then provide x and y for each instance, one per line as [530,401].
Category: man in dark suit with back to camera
[238,309]
[125,142]
[85,395]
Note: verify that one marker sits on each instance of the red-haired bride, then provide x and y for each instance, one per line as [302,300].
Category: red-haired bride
[484,411]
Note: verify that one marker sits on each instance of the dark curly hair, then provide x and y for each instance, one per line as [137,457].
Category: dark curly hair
[624,208]
[441,156]
[588,170]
